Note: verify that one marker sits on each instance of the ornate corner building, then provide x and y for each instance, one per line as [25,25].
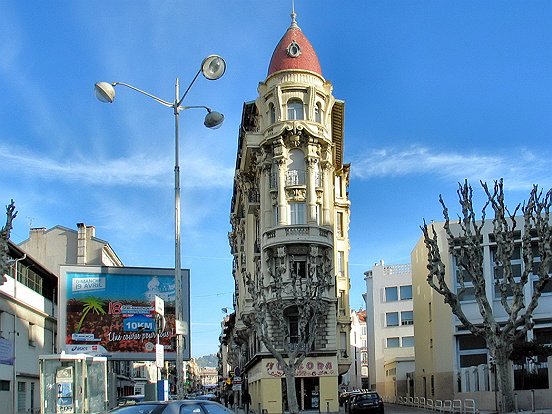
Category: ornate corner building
[290,219]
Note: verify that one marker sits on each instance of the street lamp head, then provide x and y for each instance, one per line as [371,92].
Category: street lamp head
[213,67]
[213,119]
[105,92]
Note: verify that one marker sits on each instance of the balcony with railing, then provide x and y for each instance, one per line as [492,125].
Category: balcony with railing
[298,234]
[295,178]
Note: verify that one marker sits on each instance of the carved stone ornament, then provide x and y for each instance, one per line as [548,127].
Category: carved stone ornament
[293,50]
[296,194]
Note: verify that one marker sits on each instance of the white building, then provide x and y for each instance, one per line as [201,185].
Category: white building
[357,376]
[390,323]
[28,326]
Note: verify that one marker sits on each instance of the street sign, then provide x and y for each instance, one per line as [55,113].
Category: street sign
[159,355]
[159,305]
[181,327]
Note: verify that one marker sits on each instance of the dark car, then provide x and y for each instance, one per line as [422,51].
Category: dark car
[173,407]
[366,402]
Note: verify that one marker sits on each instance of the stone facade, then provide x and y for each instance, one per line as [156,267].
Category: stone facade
[290,221]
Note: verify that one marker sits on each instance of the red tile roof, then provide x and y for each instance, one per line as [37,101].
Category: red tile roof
[306,60]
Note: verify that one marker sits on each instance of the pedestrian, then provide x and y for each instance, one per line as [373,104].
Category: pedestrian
[246,399]
[231,400]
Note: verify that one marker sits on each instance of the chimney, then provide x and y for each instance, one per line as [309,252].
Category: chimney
[81,243]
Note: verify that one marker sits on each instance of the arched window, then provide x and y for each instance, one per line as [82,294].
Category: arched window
[318,113]
[272,112]
[295,109]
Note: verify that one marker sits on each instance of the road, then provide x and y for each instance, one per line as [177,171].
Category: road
[396,409]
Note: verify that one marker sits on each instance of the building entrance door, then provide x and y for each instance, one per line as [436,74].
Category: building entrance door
[308,393]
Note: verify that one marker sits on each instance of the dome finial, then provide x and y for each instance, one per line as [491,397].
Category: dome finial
[293,15]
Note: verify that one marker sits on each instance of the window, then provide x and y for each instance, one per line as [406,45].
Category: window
[407,318]
[272,113]
[339,224]
[297,213]
[340,263]
[392,319]
[338,186]
[341,302]
[21,394]
[391,294]
[472,350]
[498,269]
[29,278]
[32,334]
[406,292]
[392,342]
[363,331]
[299,268]
[318,113]
[4,385]
[293,329]
[464,282]
[296,168]
[275,215]
[407,341]
[295,109]
[32,396]
[318,214]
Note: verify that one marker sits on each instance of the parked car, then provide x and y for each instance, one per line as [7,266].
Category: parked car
[173,407]
[366,402]
[130,399]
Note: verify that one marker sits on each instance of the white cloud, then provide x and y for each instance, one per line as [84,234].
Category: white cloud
[135,170]
[520,170]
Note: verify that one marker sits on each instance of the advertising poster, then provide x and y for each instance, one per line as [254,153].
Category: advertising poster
[109,311]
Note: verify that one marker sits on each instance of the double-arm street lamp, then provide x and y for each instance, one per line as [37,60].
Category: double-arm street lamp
[212,68]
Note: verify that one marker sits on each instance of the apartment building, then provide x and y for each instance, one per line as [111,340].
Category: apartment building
[357,376]
[452,363]
[290,218]
[28,327]
[390,328]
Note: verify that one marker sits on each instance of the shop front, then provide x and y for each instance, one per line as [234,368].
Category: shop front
[316,385]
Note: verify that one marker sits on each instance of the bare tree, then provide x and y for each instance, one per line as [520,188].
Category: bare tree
[285,295]
[465,244]
[4,237]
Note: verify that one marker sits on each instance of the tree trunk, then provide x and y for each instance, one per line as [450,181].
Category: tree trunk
[504,378]
[293,405]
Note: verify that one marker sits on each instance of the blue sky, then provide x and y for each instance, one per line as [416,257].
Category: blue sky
[435,92]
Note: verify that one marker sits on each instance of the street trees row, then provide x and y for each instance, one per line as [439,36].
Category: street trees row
[531,222]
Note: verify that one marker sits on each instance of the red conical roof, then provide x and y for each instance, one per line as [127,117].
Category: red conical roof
[294,51]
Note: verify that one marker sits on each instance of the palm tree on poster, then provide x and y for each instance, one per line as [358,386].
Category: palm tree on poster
[91,304]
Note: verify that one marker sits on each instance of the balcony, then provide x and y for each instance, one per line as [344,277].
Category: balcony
[295,178]
[298,234]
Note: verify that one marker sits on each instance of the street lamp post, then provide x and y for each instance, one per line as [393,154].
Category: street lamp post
[212,68]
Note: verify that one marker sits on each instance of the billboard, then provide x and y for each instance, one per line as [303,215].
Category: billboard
[109,311]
